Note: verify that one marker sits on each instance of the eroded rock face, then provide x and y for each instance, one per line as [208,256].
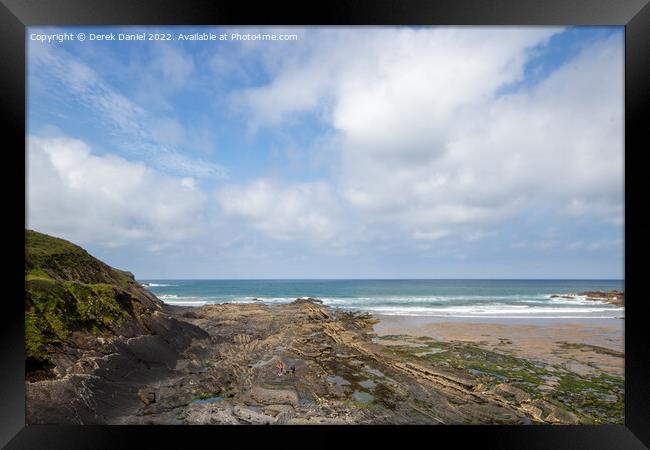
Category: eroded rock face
[98,378]
[217,364]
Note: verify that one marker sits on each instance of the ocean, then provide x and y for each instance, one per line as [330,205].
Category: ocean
[434,298]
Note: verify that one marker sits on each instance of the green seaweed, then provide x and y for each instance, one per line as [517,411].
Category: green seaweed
[355,404]
[590,397]
[595,399]
[205,395]
[593,348]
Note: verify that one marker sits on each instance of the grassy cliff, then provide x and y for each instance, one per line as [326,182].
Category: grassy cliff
[67,290]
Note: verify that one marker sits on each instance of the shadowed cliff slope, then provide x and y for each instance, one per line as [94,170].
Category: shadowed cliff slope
[69,294]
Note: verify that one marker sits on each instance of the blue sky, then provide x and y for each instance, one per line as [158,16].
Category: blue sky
[389,152]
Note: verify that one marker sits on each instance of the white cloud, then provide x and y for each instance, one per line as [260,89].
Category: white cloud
[558,146]
[305,210]
[161,140]
[429,147]
[370,73]
[107,200]
[421,158]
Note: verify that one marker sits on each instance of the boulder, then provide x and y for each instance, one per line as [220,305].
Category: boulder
[147,396]
[252,417]
[274,396]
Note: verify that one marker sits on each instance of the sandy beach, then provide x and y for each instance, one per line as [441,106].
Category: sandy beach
[584,346]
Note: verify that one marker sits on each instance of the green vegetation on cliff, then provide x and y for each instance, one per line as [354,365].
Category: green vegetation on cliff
[66,289]
[50,257]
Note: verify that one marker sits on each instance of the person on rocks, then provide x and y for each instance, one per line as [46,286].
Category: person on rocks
[292,369]
[280,366]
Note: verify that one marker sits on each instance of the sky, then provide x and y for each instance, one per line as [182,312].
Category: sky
[370,152]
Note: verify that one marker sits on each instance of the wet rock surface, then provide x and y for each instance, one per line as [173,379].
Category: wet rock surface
[218,364]
[613,297]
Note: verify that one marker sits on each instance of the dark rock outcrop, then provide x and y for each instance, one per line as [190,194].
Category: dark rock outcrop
[613,297]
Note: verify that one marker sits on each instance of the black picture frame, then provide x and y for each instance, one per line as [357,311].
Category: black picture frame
[15,15]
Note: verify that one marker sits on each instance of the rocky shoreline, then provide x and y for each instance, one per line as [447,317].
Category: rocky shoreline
[612,297]
[217,365]
[101,349]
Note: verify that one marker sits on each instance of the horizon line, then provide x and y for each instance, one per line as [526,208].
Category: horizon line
[382,279]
